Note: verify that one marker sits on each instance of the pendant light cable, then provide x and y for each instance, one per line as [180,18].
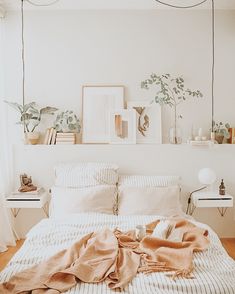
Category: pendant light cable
[23,58]
[213,47]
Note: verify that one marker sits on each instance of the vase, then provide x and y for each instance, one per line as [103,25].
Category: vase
[32,138]
[219,138]
[175,135]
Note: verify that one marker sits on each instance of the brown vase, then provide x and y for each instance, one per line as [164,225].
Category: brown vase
[219,138]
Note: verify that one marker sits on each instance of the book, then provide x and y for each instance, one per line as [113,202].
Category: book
[50,136]
[46,136]
[231,140]
[53,139]
[65,143]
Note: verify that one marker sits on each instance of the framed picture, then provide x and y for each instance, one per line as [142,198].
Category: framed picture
[98,101]
[123,126]
[148,122]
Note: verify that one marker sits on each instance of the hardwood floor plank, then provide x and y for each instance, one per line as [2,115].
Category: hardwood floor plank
[229,245]
[5,257]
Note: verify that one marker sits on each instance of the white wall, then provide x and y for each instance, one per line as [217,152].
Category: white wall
[67,49]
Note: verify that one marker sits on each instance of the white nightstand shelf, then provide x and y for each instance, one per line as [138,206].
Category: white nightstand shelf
[208,199]
[16,202]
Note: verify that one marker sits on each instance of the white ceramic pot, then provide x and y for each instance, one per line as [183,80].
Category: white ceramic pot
[32,138]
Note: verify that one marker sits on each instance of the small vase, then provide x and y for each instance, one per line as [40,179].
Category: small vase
[219,138]
[175,135]
[32,138]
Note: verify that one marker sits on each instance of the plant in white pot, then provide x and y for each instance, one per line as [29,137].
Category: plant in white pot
[171,91]
[30,118]
[221,131]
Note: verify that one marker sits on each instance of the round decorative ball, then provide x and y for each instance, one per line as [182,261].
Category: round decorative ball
[206,176]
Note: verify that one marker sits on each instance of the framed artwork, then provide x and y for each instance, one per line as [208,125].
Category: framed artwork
[148,122]
[123,126]
[98,101]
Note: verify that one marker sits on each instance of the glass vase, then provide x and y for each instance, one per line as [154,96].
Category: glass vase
[175,135]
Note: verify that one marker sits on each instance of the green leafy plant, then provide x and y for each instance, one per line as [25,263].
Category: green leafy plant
[67,121]
[221,129]
[30,114]
[171,91]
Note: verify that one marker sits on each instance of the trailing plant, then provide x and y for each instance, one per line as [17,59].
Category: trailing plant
[221,129]
[67,121]
[171,91]
[30,114]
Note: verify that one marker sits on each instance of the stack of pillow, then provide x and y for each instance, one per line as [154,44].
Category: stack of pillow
[97,187]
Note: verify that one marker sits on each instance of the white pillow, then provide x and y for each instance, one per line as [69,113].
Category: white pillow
[149,201]
[148,181]
[76,200]
[79,175]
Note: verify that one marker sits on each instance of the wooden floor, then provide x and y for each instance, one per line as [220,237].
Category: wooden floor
[228,243]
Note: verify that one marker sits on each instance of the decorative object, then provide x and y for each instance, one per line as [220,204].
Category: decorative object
[148,122]
[171,91]
[231,139]
[26,184]
[207,176]
[67,121]
[222,188]
[30,118]
[123,126]
[65,138]
[140,232]
[98,101]
[221,131]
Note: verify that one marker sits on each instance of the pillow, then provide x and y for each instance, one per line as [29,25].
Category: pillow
[76,200]
[162,201]
[148,181]
[79,175]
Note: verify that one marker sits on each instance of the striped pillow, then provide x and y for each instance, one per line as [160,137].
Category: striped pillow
[80,175]
[148,181]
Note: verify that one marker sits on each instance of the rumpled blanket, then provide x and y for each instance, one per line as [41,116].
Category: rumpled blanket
[114,257]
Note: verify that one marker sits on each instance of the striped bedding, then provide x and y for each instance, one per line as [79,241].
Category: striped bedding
[214,270]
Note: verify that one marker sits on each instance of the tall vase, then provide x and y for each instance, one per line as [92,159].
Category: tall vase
[175,135]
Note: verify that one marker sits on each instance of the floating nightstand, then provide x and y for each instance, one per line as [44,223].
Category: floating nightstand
[209,199]
[16,202]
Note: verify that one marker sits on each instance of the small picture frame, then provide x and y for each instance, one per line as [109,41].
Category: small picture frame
[98,101]
[122,126]
[148,122]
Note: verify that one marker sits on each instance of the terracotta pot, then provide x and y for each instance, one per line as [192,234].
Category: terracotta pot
[32,138]
[219,138]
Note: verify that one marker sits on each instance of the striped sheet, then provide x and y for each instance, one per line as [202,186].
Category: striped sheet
[148,181]
[80,175]
[214,269]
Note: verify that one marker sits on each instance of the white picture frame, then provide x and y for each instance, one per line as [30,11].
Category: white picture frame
[122,126]
[97,103]
[148,129]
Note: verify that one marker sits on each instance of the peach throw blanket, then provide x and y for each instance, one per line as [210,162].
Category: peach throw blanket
[111,256]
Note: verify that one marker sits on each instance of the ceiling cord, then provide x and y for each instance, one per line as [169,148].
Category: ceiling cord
[23,58]
[213,48]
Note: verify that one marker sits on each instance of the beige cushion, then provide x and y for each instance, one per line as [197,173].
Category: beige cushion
[149,200]
[76,200]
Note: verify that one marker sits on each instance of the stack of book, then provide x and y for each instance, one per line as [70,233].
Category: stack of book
[50,137]
[26,195]
[65,138]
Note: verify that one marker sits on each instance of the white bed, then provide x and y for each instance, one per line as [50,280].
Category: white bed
[214,270]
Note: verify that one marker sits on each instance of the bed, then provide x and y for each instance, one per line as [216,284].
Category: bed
[214,270]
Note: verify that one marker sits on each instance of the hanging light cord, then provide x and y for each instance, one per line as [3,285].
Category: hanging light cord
[213,47]
[46,4]
[23,58]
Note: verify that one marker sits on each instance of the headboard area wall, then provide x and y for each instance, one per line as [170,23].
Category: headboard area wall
[182,160]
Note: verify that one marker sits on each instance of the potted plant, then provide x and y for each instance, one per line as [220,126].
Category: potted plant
[30,118]
[221,131]
[67,122]
[171,91]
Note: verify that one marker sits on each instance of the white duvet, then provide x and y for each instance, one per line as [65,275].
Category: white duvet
[214,271]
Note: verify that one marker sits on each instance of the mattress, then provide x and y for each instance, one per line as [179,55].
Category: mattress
[214,271]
